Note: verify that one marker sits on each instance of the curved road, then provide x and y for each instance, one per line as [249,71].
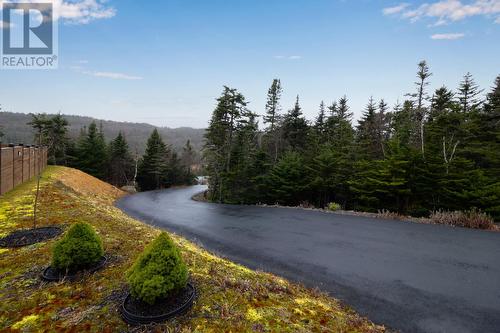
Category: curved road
[411,277]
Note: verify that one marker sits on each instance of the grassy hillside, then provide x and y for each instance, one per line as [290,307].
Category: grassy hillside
[231,298]
[16,130]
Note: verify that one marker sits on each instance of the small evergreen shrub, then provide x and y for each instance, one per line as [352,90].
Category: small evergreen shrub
[474,219]
[333,206]
[81,247]
[158,272]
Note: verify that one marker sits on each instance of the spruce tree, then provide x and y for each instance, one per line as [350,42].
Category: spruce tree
[92,154]
[442,102]
[176,173]
[367,143]
[380,184]
[342,132]
[423,75]
[484,129]
[331,164]
[220,137]
[121,164]
[343,109]
[39,123]
[330,172]
[273,119]
[51,131]
[188,156]
[287,180]
[316,138]
[382,125]
[248,163]
[483,146]
[331,123]
[273,106]
[59,140]
[402,124]
[492,104]
[295,128]
[333,108]
[188,160]
[319,125]
[444,131]
[468,94]
[152,168]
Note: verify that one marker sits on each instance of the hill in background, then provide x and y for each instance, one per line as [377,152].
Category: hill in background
[16,130]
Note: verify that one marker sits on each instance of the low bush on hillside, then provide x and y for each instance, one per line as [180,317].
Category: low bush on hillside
[81,247]
[158,272]
[333,206]
[474,219]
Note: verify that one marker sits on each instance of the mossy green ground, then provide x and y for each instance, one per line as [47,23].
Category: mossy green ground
[231,298]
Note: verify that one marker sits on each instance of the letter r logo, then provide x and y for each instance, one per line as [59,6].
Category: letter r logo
[28,28]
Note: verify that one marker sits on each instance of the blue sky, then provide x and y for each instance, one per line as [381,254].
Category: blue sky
[165,62]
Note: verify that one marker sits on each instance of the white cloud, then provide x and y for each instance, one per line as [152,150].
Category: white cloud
[445,11]
[395,10]
[295,57]
[83,11]
[80,11]
[452,36]
[112,75]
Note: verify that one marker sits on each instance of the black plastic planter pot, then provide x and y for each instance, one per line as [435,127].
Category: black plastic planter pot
[53,275]
[134,318]
[27,237]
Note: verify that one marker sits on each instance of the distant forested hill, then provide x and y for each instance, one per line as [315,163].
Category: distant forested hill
[16,130]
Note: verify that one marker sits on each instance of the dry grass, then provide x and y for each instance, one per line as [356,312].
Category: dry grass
[232,298]
[473,219]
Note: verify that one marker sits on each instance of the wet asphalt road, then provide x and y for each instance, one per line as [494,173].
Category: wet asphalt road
[411,277]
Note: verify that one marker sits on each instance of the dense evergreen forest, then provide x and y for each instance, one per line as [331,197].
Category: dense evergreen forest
[159,167]
[434,151]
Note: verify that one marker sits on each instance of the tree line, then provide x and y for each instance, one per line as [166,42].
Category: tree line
[159,167]
[434,151]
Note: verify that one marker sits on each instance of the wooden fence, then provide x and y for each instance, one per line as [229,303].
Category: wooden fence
[19,164]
